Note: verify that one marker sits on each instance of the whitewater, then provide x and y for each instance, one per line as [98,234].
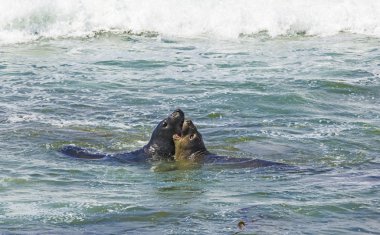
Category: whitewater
[23,21]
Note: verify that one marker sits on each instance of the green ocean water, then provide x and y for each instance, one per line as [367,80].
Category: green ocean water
[311,102]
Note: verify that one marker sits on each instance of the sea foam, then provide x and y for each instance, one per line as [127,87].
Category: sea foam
[24,20]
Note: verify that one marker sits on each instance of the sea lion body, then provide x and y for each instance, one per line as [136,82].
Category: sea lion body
[160,145]
[190,148]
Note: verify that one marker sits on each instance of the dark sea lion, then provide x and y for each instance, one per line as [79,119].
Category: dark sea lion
[160,145]
[190,149]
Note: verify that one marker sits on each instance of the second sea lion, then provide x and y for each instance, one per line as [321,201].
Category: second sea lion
[190,149]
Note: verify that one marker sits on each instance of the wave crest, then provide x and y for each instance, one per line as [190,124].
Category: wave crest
[23,20]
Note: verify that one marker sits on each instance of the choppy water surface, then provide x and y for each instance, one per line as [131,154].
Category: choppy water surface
[311,102]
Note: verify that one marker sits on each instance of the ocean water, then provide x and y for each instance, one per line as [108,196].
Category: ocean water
[296,82]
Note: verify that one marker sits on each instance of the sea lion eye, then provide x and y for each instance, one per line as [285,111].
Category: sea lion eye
[164,124]
[192,136]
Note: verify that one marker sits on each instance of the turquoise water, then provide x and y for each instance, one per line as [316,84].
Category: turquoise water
[308,101]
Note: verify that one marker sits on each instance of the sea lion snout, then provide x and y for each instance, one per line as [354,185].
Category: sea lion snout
[178,113]
[188,127]
[177,118]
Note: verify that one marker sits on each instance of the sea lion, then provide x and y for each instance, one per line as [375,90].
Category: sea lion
[191,150]
[160,145]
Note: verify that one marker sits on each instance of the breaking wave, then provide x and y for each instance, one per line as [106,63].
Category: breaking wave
[24,20]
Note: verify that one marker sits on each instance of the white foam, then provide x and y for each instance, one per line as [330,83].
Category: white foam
[24,20]
[60,123]
[78,123]
[16,118]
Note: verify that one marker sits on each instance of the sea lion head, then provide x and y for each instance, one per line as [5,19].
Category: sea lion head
[189,145]
[161,145]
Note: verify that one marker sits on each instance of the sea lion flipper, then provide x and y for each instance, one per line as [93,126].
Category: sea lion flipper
[83,153]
